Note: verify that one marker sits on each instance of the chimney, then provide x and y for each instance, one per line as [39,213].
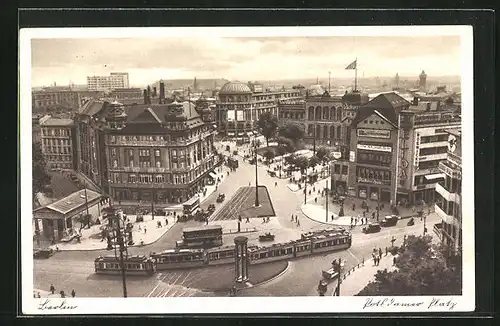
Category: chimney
[162,92]
[145,95]
[154,91]
[148,95]
[415,100]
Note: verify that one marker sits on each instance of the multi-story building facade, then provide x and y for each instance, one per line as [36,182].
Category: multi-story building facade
[58,139]
[161,152]
[238,108]
[45,99]
[396,147]
[292,111]
[126,93]
[449,192]
[115,80]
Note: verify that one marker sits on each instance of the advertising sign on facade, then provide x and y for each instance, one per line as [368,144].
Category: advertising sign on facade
[374,133]
[230,115]
[336,155]
[352,156]
[375,148]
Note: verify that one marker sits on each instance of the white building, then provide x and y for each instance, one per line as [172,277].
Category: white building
[116,80]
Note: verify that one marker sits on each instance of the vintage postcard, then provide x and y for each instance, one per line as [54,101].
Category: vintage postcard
[247,170]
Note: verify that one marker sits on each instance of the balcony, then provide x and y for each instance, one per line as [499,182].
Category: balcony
[451,171]
[438,230]
[455,159]
[445,217]
[435,144]
[448,196]
[432,157]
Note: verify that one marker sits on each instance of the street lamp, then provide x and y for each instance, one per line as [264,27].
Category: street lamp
[115,223]
[256,178]
[337,267]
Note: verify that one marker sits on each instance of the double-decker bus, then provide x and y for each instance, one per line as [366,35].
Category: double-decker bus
[191,206]
[203,236]
[133,265]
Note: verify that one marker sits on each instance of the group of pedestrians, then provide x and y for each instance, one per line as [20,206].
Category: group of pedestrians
[295,219]
[52,290]
[376,255]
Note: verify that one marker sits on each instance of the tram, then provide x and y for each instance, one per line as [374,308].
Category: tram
[203,236]
[309,244]
[179,258]
[134,265]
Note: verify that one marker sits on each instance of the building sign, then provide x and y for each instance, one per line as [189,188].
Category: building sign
[374,133]
[375,148]
[352,156]
[417,150]
[336,155]
[230,115]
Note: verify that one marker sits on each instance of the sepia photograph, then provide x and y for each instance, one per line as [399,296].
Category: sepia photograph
[247,170]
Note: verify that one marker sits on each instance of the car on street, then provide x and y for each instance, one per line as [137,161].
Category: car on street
[390,220]
[221,198]
[43,253]
[372,228]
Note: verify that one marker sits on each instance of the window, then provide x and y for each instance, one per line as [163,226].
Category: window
[132,178]
[159,178]
[115,163]
[157,153]
[113,152]
[344,169]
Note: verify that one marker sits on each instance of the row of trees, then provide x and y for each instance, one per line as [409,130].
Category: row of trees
[288,135]
[422,269]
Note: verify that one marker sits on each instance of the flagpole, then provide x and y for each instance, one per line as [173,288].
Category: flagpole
[356,75]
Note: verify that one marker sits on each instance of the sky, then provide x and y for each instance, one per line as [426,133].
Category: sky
[244,59]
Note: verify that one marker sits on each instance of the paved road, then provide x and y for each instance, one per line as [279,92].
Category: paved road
[231,207]
[75,269]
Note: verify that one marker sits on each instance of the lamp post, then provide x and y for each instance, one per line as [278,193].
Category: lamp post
[337,266]
[256,179]
[326,200]
[120,247]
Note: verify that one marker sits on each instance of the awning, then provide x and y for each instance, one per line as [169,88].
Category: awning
[213,175]
[435,176]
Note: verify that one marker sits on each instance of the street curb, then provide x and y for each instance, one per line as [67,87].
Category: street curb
[274,277]
[301,209]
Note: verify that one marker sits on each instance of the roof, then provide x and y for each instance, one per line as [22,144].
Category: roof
[91,107]
[454,131]
[385,105]
[73,201]
[159,113]
[202,228]
[55,122]
[235,88]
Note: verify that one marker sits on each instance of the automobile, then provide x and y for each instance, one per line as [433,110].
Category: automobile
[390,220]
[211,208]
[330,274]
[266,237]
[43,253]
[221,198]
[371,228]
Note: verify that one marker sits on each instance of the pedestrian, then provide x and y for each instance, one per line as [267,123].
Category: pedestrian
[386,251]
[298,223]
[380,252]
[249,183]
[353,207]
[374,259]
[263,220]
[73,293]
[352,220]
[275,183]
[145,230]
[248,220]
[316,200]
[63,295]
[268,219]
[296,218]
[309,192]
[52,289]
[38,295]
[333,217]
[166,221]
[394,261]
[292,218]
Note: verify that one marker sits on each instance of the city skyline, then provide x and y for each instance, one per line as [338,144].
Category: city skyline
[249,58]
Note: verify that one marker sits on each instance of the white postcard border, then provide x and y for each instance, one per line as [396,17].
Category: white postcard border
[465,302]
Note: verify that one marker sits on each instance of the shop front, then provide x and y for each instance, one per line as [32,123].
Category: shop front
[374,193]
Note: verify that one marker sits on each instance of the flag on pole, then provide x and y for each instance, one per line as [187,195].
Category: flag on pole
[352,65]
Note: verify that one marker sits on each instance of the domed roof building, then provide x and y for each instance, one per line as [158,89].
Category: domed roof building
[235,88]
[315,90]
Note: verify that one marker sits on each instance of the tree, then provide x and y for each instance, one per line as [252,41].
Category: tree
[422,269]
[313,161]
[40,176]
[290,159]
[322,153]
[268,123]
[269,155]
[84,220]
[288,144]
[292,131]
[302,163]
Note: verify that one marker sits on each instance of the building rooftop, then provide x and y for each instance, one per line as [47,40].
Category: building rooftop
[454,131]
[385,105]
[73,201]
[235,88]
[55,122]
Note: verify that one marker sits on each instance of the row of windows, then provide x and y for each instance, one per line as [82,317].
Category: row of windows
[58,158]
[291,115]
[375,174]
[325,113]
[221,255]
[56,142]
[56,132]
[428,164]
[117,266]
[374,122]
[193,133]
[448,207]
[179,258]
[56,150]
[374,158]
[336,169]
[169,178]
